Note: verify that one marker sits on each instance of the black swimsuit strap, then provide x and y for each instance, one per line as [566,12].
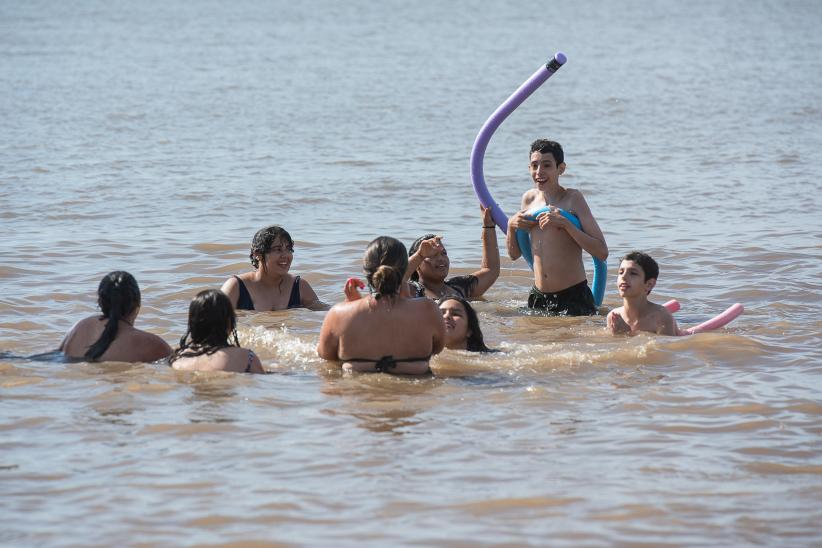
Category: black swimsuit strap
[387,363]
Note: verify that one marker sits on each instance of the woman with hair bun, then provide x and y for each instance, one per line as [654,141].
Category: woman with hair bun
[270,286]
[385,331]
[112,337]
[205,345]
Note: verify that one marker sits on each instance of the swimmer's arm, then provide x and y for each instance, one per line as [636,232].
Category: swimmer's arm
[667,324]
[155,348]
[517,220]
[256,364]
[590,238]
[616,324]
[309,299]
[489,269]
[414,262]
[435,317]
[232,289]
[65,342]
[329,343]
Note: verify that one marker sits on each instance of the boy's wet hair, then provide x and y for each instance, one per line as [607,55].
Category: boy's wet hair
[384,265]
[544,145]
[475,342]
[415,276]
[118,295]
[210,316]
[265,238]
[649,267]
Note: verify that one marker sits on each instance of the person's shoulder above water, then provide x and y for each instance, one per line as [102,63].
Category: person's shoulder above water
[636,277]
[270,286]
[385,331]
[429,265]
[112,335]
[206,345]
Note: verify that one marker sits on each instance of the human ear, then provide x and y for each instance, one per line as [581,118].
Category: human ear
[561,168]
[649,285]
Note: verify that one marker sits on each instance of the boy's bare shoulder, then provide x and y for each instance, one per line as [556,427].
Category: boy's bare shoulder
[529,196]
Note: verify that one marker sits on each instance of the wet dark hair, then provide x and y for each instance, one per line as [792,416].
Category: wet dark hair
[414,248]
[544,145]
[475,342]
[265,238]
[649,267]
[209,316]
[384,265]
[118,295]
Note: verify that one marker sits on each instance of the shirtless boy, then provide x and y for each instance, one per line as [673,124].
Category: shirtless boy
[560,285]
[635,279]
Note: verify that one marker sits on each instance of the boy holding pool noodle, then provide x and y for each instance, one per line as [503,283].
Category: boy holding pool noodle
[560,284]
[636,278]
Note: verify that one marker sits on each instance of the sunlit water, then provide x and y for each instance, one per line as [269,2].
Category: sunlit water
[157,137]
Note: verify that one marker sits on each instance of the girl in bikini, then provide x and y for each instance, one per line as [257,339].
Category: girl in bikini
[205,346]
[385,331]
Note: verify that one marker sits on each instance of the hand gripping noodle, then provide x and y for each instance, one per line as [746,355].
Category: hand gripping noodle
[600,267]
[478,156]
[730,314]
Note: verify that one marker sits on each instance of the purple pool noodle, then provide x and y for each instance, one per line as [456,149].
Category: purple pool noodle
[491,125]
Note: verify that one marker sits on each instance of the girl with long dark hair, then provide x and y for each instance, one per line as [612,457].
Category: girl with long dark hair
[206,345]
[462,329]
[111,336]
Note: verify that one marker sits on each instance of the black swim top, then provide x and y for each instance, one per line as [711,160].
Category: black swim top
[463,285]
[244,301]
[387,363]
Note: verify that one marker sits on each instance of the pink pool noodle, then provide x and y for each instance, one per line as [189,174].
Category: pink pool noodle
[732,313]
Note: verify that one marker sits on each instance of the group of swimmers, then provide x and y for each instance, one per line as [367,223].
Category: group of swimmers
[413,309]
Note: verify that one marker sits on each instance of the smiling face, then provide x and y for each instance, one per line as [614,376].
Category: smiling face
[277,260]
[544,170]
[456,324]
[436,267]
[631,280]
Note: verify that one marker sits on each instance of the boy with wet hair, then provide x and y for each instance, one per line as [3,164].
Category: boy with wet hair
[636,278]
[560,284]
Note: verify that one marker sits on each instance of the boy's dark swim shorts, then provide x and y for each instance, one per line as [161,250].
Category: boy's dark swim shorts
[576,300]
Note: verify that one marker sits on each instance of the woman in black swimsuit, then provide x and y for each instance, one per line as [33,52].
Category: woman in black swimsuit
[384,331]
[206,345]
[270,286]
[429,264]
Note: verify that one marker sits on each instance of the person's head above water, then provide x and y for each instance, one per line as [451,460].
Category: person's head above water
[644,262]
[462,329]
[437,266]
[267,238]
[384,265]
[118,297]
[650,268]
[545,146]
[211,320]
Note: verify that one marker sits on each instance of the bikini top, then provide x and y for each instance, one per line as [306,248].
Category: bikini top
[387,363]
[244,302]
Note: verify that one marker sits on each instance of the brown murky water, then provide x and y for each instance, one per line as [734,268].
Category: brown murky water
[157,138]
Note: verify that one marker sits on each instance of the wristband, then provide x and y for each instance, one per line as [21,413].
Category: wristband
[492,226]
